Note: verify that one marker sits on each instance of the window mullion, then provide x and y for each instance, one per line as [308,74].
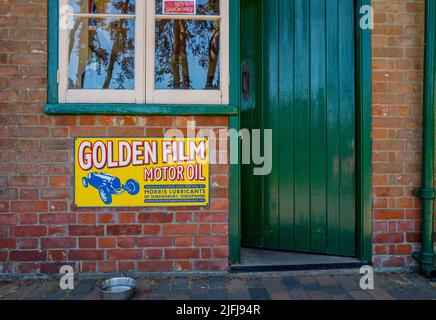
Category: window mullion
[63,50]
[150,50]
[140,52]
[225,51]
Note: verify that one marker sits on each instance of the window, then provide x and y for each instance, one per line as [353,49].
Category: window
[144,51]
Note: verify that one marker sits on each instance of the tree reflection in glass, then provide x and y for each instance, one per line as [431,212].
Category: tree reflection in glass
[188,51]
[102,50]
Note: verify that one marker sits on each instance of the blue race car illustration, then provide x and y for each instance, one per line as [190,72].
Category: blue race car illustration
[108,185]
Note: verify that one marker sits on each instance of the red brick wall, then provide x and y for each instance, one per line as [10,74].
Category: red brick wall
[397,119]
[39,227]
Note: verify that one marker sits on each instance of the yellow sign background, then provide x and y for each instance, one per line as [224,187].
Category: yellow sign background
[98,186]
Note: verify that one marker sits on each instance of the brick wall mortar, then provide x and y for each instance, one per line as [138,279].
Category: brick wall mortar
[40,229]
[397,50]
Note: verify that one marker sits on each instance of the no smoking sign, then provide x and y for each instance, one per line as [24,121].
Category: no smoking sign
[187,7]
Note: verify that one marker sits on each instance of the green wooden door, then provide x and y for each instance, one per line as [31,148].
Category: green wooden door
[299,55]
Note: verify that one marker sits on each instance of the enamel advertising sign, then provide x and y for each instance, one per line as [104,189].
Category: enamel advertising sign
[141,172]
[179,7]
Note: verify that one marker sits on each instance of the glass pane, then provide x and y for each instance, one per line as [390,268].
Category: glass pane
[187,54]
[102,54]
[103,6]
[203,7]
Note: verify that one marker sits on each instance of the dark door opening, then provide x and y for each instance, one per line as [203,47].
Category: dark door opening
[298,60]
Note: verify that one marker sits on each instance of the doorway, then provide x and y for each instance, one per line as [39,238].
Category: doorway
[298,65]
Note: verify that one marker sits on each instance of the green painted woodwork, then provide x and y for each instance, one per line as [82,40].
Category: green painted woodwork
[234,123]
[363,137]
[286,122]
[302,56]
[250,13]
[53,47]
[252,188]
[333,125]
[138,109]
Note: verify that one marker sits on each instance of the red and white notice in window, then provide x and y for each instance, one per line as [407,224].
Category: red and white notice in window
[179,6]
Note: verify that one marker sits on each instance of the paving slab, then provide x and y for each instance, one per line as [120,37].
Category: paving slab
[259,294]
[258,286]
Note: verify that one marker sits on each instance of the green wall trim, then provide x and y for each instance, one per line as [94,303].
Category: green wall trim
[235,173]
[235,204]
[137,109]
[364,138]
[53,47]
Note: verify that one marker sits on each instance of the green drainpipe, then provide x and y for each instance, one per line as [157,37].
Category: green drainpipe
[426,257]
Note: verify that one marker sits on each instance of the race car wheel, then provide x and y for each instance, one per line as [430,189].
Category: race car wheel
[132,187]
[105,195]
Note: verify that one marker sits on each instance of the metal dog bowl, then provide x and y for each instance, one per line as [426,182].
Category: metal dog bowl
[117,288]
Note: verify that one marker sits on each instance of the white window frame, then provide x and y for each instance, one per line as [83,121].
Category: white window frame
[180,96]
[144,91]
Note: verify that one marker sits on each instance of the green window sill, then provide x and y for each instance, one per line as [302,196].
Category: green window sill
[138,109]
